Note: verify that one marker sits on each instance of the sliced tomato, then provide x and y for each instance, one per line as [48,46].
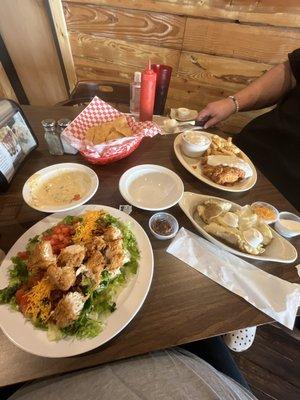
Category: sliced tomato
[53,242]
[66,241]
[23,254]
[47,238]
[23,304]
[22,300]
[60,237]
[57,229]
[19,293]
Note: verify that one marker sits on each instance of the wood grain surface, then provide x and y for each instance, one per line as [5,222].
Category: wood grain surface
[271,12]
[6,90]
[120,55]
[164,30]
[247,42]
[26,31]
[271,366]
[216,47]
[182,305]
[220,72]
[61,31]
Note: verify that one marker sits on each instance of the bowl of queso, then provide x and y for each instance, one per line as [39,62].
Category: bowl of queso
[60,187]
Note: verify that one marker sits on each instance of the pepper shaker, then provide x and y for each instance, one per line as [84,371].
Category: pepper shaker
[61,125]
[53,141]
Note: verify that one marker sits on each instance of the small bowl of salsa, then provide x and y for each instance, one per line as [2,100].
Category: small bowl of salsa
[163,226]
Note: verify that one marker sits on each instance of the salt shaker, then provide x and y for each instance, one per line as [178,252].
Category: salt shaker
[53,141]
[61,125]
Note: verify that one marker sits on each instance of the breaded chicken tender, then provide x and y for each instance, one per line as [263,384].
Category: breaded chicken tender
[42,257]
[68,309]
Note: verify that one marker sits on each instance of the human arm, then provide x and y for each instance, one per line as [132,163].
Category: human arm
[265,91]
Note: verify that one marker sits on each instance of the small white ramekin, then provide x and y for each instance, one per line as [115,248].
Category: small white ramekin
[270,207]
[191,149]
[282,229]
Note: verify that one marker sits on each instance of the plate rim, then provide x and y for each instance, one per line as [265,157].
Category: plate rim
[232,250]
[63,208]
[207,181]
[133,203]
[99,343]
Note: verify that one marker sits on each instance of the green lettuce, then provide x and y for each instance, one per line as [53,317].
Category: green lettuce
[18,275]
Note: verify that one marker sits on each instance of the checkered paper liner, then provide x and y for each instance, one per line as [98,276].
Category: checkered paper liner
[97,112]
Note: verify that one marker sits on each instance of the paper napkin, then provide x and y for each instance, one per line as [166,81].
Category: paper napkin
[275,297]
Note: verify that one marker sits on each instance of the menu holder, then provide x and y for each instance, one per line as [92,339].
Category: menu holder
[17,140]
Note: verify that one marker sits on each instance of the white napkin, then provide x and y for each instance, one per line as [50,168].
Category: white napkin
[274,296]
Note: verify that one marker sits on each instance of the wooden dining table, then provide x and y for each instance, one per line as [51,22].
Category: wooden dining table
[182,305]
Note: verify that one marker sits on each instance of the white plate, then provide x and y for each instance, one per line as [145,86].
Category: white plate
[190,117]
[151,187]
[35,341]
[44,174]
[193,165]
[279,250]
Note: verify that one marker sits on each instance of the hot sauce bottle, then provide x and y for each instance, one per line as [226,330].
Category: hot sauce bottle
[147,97]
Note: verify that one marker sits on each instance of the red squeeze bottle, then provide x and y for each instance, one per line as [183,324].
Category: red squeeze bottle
[147,97]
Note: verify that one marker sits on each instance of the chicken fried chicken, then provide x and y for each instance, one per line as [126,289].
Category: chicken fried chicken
[223,175]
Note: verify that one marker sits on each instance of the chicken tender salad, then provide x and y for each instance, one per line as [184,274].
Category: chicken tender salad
[68,278]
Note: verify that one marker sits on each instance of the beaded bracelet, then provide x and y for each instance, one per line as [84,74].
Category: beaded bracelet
[236,103]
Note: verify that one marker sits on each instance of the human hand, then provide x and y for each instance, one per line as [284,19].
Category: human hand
[216,111]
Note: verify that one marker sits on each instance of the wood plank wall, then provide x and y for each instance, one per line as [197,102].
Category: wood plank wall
[26,32]
[215,47]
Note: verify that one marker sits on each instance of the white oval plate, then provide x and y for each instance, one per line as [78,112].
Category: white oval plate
[44,174]
[279,250]
[23,334]
[151,187]
[193,165]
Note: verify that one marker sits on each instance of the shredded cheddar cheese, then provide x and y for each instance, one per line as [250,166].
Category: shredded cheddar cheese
[39,300]
[84,230]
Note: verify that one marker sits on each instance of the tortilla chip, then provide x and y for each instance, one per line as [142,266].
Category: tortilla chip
[125,131]
[122,126]
[102,131]
[114,134]
[106,131]
[90,133]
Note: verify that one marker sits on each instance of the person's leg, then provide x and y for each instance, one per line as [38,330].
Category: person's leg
[216,353]
[7,391]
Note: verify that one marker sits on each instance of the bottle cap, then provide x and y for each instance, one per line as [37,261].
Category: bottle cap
[137,77]
[63,122]
[48,123]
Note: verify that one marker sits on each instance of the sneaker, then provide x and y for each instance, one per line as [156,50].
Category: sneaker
[240,340]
